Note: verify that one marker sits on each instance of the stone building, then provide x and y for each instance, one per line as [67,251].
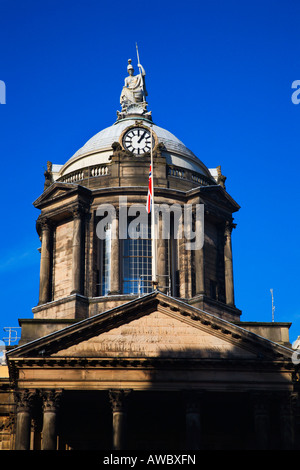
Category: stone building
[114,358]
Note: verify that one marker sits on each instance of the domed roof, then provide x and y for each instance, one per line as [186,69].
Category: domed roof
[97,150]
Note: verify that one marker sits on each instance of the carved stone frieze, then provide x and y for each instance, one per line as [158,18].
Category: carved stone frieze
[7,423]
[119,152]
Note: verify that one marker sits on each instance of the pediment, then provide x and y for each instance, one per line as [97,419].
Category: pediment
[157,326]
[156,335]
[57,191]
[220,196]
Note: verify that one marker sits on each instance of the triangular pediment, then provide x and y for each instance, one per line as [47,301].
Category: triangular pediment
[216,194]
[157,326]
[158,335]
[57,191]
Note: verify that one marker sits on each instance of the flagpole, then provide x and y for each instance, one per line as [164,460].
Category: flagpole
[153,243]
[138,58]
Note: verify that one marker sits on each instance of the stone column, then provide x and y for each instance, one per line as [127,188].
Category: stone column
[287,422]
[35,438]
[23,426]
[45,264]
[51,401]
[229,288]
[193,421]
[199,271]
[162,257]
[115,256]
[261,421]
[118,400]
[76,252]
[183,262]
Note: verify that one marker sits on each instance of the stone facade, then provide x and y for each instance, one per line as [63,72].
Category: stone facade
[174,368]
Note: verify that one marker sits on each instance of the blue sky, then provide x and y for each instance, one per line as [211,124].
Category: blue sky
[219,77]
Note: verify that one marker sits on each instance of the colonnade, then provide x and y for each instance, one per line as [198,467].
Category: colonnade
[184,263]
[25,403]
[118,399]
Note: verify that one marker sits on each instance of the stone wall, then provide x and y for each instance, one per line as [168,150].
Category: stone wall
[62,260]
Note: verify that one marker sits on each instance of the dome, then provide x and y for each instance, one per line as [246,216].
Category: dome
[97,150]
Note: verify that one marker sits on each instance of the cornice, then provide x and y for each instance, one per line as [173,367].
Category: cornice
[202,363]
[262,348]
[68,189]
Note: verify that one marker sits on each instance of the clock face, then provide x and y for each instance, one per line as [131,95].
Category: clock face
[138,140]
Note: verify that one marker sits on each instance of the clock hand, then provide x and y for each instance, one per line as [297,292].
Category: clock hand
[141,138]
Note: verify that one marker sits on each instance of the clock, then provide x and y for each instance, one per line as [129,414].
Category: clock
[138,140]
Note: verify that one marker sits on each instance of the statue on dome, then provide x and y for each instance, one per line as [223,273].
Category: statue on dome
[134,89]
[133,95]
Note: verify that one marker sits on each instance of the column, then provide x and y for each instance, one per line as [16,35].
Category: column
[23,426]
[287,421]
[36,436]
[229,288]
[51,401]
[199,261]
[162,256]
[118,400]
[199,268]
[261,421]
[115,256]
[45,264]
[76,252]
[183,263]
[193,421]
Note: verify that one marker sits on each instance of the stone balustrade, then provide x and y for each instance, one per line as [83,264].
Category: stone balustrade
[102,170]
[188,175]
[85,173]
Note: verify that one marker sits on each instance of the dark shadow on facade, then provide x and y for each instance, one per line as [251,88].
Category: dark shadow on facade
[192,401]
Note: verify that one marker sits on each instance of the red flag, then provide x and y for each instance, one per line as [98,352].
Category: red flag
[149,196]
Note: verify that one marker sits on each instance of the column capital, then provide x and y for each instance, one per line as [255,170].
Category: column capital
[118,399]
[24,399]
[229,226]
[51,400]
[260,404]
[44,222]
[193,401]
[79,211]
[289,401]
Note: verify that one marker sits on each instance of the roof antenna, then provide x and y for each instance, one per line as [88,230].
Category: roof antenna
[273,306]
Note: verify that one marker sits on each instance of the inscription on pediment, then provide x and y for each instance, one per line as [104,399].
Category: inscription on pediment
[156,335]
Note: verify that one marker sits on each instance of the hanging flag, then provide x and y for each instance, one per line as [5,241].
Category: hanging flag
[150,192]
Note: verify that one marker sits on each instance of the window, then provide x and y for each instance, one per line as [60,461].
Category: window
[137,262]
[105,262]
